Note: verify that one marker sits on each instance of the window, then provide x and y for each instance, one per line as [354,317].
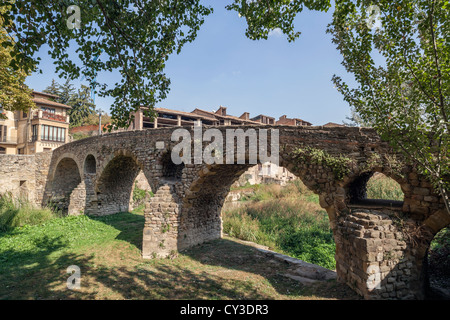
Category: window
[3,133]
[34,132]
[2,150]
[49,110]
[50,133]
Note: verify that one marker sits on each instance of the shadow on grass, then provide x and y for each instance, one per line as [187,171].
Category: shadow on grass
[220,269]
[38,273]
[233,255]
[130,225]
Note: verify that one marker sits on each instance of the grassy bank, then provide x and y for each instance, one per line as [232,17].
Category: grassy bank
[18,213]
[286,219]
[382,187]
[34,261]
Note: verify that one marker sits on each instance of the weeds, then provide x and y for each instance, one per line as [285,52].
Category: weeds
[286,219]
[18,213]
[383,187]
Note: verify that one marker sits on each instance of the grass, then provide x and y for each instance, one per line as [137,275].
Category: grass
[383,187]
[34,261]
[18,213]
[286,219]
[290,220]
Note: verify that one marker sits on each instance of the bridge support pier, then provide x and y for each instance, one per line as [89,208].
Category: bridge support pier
[161,224]
[377,255]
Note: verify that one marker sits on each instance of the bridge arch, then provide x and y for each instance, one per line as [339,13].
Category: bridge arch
[90,164]
[65,178]
[114,185]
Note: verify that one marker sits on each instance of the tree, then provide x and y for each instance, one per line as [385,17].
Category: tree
[134,37]
[400,57]
[79,99]
[14,94]
[53,88]
[355,120]
[82,107]
[399,54]
[66,93]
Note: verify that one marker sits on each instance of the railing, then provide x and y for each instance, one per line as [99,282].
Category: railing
[49,116]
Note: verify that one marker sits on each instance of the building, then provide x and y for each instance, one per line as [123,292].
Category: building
[264,119]
[292,121]
[41,129]
[172,118]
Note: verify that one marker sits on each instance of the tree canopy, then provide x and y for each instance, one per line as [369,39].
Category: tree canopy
[14,95]
[134,37]
[399,54]
[83,108]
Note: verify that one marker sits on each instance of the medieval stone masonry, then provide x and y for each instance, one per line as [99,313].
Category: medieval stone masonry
[380,246]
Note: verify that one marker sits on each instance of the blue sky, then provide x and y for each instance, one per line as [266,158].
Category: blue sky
[223,67]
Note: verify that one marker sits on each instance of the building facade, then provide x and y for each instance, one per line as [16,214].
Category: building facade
[173,118]
[284,120]
[41,129]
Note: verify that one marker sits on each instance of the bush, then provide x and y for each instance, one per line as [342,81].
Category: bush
[140,194]
[18,213]
[288,220]
[439,254]
[383,187]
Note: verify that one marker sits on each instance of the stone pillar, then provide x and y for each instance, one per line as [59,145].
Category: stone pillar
[179,121]
[374,257]
[77,200]
[161,224]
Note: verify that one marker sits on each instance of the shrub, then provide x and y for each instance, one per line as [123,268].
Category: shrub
[383,187]
[18,213]
[288,220]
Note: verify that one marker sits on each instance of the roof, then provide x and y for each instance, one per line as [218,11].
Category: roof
[225,117]
[285,120]
[45,94]
[50,103]
[262,115]
[182,113]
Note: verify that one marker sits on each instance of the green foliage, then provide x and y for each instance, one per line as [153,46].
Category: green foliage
[265,16]
[140,194]
[133,37]
[16,213]
[79,136]
[80,100]
[286,221]
[340,165]
[14,94]
[382,187]
[402,73]
[439,254]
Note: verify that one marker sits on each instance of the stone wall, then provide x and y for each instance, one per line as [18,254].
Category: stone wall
[24,176]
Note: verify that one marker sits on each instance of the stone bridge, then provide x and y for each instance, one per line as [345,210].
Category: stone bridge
[380,246]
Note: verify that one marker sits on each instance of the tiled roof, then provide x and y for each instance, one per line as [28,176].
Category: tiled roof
[226,117]
[182,113]
[50,103]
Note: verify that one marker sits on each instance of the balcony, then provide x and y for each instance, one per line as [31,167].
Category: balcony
[7,140]
[50,116]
